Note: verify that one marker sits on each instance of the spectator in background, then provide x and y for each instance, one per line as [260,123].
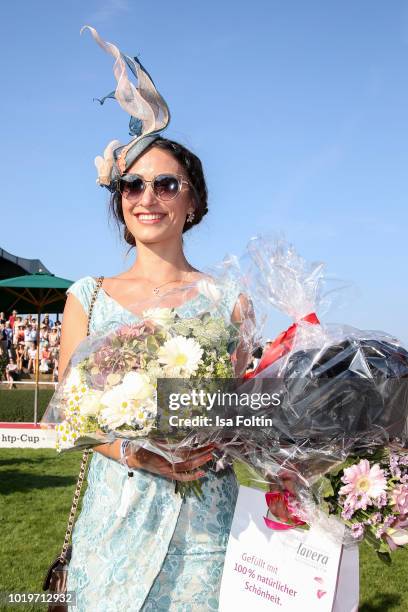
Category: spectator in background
[33,334]
[2,318]
[9,336]
[27,335]
[12,318]
[21,348]
[43,334]
[11,373]
[45,365]
[53,337]
[18,334]
[47,321]
[3,339]
[15,326]
[26,359]
[32,355]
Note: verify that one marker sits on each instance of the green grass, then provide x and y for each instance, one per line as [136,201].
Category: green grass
[36,488]
[17,405]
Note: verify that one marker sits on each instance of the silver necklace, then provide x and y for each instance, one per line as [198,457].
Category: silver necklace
[156,290]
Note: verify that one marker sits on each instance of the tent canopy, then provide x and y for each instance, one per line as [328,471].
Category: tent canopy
[34,293]
[12,265]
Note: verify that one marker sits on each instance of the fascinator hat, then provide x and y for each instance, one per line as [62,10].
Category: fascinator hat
[149,114]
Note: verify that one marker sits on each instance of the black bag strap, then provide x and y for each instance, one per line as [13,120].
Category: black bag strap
[63,556]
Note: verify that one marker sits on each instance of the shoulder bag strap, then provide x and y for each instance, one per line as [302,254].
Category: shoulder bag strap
[82,469]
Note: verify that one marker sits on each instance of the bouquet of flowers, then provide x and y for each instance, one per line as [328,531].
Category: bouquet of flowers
[370,495]
[110,386]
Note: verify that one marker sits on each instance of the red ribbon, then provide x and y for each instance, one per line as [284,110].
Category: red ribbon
[286,497]
[281,345]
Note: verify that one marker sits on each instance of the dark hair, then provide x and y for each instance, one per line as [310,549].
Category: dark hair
[194,170]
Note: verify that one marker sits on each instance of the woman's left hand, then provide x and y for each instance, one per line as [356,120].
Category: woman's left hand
[287,481]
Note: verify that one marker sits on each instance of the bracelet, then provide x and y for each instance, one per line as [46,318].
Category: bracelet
[123,446]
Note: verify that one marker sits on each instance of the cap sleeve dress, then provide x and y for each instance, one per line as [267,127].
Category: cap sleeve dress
[166,553]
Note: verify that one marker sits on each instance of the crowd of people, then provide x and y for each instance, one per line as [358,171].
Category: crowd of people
[18,347]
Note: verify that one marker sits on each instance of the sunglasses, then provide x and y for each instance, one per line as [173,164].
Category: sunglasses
[165,186]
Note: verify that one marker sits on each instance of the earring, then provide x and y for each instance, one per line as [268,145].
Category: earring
[190,217]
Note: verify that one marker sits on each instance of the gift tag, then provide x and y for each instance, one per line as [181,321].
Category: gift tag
[290,570]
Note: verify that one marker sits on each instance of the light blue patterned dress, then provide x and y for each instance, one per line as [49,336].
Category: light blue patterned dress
[166,554]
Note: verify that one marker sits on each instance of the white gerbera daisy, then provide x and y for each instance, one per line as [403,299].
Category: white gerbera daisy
[180,355]
[137,385]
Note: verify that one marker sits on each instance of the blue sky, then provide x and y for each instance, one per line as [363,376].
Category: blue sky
[298,110]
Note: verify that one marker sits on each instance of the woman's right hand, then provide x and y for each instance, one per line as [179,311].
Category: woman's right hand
[185,470]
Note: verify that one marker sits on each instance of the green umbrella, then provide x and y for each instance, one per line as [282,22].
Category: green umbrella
[34,294]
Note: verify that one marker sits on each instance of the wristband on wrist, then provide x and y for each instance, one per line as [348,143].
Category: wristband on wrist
[123,460]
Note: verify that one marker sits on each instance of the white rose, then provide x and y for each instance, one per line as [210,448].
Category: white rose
[90,403]
[137,386]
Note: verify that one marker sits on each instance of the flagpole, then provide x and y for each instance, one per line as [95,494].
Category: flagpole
[37,368]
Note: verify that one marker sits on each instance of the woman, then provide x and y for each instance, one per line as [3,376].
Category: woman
[18,332]
[44,331]
[53,337]
[32,359]
[21,348]
[11,373]
[45,364]
[168,552]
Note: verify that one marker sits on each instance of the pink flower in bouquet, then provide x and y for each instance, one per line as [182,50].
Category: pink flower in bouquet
[382,500]
[399,498]
[374,519]
[394,465]
[348,511]
[363,483]
[357,530]
[135,330]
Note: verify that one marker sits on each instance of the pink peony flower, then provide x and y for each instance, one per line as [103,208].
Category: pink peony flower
[363,483]
[399,498]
